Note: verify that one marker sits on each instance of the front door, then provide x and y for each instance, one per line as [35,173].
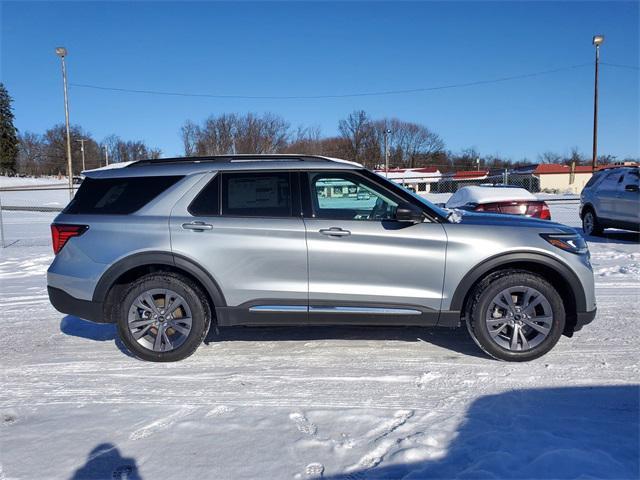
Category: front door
[364,263]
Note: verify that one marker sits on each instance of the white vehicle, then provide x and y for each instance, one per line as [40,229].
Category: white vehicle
[509,200]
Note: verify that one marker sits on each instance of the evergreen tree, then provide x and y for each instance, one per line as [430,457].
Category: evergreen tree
[8,134]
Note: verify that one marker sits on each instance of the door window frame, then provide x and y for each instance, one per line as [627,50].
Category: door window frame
[309,204]
[294,194]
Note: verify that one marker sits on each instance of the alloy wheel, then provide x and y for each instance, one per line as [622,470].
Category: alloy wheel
[160,320]
[519,318]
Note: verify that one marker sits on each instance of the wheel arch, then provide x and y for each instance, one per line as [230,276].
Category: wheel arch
[559,275]
[134,266]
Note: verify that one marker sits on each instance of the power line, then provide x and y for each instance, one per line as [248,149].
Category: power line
[619,65]
[346,95]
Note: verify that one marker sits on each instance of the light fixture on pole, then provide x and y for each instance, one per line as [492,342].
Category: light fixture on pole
[82,140]
[62,53]
[597,41]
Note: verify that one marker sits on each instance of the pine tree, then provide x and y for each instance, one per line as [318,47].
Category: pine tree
[8,134]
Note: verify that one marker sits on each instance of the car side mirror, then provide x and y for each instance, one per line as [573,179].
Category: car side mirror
[406,213]
[632,188]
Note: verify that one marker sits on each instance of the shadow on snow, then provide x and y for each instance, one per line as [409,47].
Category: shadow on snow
[99,332]
[105,462]
[583,432]
[456,340]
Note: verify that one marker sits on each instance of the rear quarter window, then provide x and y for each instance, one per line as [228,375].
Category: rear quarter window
[117,196]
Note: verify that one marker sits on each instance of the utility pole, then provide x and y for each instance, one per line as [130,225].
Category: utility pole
[82,140]
[106,155]
[62,52]
[386,151]
[597,41]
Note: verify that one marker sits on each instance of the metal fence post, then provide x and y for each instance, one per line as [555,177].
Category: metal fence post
[1,225]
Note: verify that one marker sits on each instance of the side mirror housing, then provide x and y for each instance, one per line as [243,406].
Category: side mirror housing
[407,213]
[631,188]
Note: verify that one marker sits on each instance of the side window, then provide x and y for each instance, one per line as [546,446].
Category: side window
[207,202]
[610,182]
[349,197]
[117,196]
[632,177]
[256,194]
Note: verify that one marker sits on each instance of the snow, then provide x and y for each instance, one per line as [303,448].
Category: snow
[476,194]
[322,402]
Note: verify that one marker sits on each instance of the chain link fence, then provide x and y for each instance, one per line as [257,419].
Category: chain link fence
[26,212]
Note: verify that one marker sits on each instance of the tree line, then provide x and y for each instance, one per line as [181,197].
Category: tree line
[360,138]
[46,154]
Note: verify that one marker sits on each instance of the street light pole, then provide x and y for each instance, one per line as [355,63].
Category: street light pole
[597,41]
[82,140]
[106,156]
[386,152]
[62,53]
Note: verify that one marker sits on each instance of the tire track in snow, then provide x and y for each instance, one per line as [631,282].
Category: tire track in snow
[161,423]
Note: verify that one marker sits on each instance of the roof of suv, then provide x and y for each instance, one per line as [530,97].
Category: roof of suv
[189,165]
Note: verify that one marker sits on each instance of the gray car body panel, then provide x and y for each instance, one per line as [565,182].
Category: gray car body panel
[283,271]
[614,206]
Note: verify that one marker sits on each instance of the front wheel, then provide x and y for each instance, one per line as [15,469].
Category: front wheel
[163,317]
[516,316]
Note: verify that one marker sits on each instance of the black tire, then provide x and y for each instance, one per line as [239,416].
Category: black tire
[482,301]
[197,303]
[590,224]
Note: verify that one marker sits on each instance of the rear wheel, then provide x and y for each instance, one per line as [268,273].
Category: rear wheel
[590,224]
[163,317]
[516,316]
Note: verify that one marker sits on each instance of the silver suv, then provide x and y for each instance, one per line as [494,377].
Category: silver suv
[611,199]
[169,248]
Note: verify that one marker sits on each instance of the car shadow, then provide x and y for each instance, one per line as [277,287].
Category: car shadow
[456,340]
[550,433]
[105,462]
[99,332]
[613,236]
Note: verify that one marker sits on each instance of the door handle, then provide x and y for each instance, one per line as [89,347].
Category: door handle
[197,226]
[335,232]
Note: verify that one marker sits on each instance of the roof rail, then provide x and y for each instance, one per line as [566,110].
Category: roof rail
[237,158]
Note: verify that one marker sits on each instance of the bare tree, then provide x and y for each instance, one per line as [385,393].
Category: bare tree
[358,130]
[410,144]
[550,157]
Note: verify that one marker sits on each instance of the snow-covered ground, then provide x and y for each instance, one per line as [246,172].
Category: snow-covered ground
[287,403]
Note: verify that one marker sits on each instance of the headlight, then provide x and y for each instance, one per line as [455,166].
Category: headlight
[569,242]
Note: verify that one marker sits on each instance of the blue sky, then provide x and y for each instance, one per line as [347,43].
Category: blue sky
[303,48]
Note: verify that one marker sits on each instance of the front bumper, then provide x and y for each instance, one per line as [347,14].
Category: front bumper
[65,303]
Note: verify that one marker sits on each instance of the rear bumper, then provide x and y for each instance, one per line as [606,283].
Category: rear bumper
[584,318]
[65,303]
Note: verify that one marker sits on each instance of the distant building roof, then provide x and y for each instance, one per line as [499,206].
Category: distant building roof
[426,173]
[470,174]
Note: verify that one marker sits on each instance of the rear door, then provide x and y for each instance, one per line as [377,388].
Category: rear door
[364,263]
[246,230]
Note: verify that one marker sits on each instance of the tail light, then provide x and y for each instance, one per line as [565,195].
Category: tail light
[539,210]
[60,234]
[530,209]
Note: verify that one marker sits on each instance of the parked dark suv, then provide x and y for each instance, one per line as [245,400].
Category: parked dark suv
[611,199]
[167,248]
